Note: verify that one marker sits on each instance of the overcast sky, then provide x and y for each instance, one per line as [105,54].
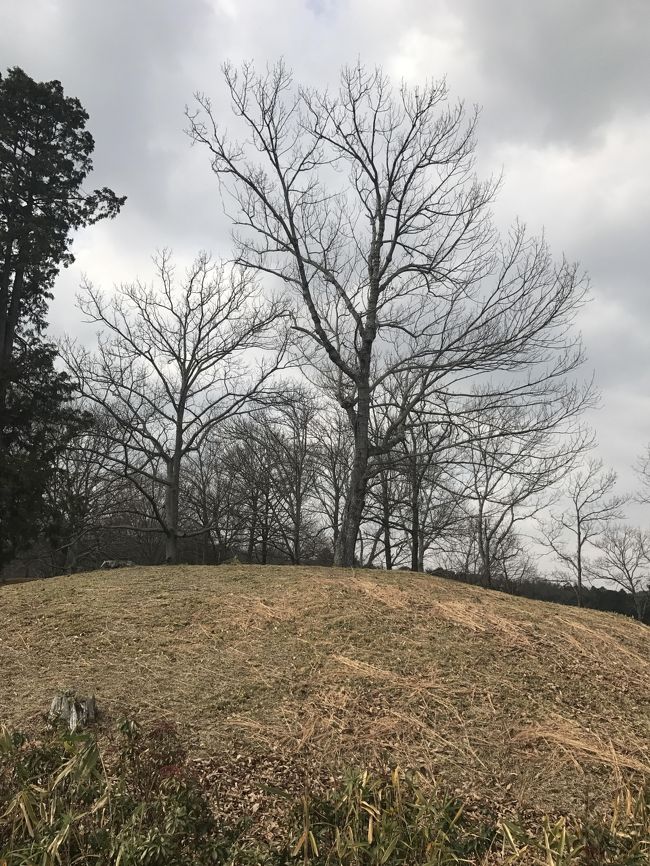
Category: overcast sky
[563,86]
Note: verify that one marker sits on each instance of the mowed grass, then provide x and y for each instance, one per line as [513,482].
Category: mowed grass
[516,705]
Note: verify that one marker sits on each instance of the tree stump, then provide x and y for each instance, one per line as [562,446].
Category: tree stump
[117,563]
[75,711]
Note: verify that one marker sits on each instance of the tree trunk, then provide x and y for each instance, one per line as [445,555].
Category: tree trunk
[415,549]
[484,550]
[344,551]
[344,554]
[297,526]
[171,512]
[388,550]
[415,534]
[336,520]
[415,516]
[369,561]
[206,544]
[252,529]
[579,588]
[171,547]
[297,553]
[206,538]
[266,514]
[72,556]
[421,553]
[579,564]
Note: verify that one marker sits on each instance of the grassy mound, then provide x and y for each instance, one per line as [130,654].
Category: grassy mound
[280,674]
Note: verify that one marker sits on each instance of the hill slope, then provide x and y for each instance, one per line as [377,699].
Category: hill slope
[529,705]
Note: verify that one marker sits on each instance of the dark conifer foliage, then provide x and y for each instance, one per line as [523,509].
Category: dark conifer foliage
[38,424]
[45,157]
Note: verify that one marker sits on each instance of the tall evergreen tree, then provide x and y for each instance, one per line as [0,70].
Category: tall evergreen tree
[45,157]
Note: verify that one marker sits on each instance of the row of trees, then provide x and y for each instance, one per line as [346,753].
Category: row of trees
[270,488]
[375,376]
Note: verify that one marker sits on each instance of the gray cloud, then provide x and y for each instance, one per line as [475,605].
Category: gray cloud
[565,112]
[556,70]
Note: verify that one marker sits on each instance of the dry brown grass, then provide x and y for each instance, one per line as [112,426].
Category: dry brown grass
[527,705]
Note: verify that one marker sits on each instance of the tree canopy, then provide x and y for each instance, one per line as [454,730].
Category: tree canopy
[365,204]
[45,157]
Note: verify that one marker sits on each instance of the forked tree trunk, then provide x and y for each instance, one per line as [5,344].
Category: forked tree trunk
[344,552]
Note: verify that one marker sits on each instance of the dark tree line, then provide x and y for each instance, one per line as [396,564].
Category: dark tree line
[265,489]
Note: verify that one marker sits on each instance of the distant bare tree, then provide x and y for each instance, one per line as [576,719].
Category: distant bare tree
[212,497]
[384,497]
[333,454]
[642,469]
[81,498]
[514,563]
[294,473]
[625,561]
[172,364]
[592,506]
[514,458]
[414,491]
[432,495]
[274,459]
[250,464]
[365,203]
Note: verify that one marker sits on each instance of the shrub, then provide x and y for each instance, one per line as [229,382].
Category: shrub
[65,802]
[60,805]
[381,821]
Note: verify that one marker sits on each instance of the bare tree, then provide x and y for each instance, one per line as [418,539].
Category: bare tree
[212,498]
[514,563]
[81,498]
[366,204]
[294,469]
[333,454]
[514,457]
[171,365]
[625,561]
[250,462]
[642,469]
[415,494]
[384,497]
[592,506]
[277,465]
[431,502]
